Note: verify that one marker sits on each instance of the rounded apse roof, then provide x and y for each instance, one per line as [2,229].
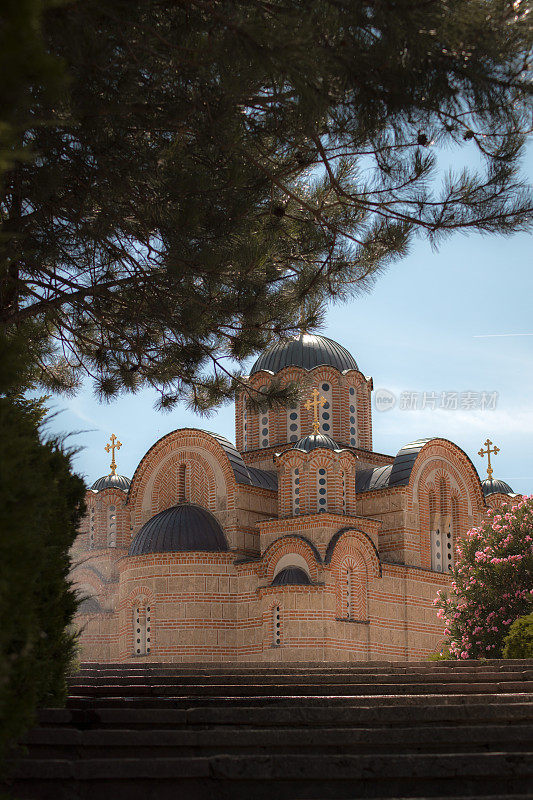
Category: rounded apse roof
[292,576]
[111,482]
[307,350]
[493,485]
[315,440]
[182,528]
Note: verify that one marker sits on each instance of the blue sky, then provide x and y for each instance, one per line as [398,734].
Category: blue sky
[435,322]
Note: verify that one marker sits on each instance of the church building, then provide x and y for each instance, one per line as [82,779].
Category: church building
[299,543]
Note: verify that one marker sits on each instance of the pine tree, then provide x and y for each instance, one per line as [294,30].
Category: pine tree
[212,165]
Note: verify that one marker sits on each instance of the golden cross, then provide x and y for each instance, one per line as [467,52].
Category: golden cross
[111,447]
[487,452]
[317,401]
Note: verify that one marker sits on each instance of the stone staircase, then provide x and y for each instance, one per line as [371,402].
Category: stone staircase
[306,731]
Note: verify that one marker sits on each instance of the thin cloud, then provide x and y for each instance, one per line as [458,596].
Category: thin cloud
[493,335]
[74,407]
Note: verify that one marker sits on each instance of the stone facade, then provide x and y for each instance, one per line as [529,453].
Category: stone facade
[375,536]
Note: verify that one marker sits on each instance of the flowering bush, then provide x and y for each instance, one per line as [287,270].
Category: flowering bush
[492,582]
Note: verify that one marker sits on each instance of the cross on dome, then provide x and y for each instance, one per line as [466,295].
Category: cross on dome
[113,445]
[487,452]
[316,403]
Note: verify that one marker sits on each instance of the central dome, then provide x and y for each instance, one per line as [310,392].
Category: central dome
[307,350]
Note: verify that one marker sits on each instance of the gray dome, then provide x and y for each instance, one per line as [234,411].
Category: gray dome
[183,528]
[306,351]
[314,441]
[493,485]
[111,482]
[291,576]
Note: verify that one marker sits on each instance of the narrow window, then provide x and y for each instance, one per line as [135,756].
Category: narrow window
[276,627]
[296,491]
[353,417]
[182,483]
[447,545]
[321,489]
[436,548]
[141,630]
[111,527]
[264,429]
[349,593]
[434,534]
[293,423]
[148,629]
[326,421]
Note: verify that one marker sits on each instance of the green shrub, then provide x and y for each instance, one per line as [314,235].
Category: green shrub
[519,641]
[41,502]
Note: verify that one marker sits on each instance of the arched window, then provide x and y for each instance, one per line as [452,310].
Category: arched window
[326,420]
[264,429]
[141,630]
[293,423]
[441,529]
[353,416]
[182,483]
[321,489]
[111,526]
[276,626]
[295,480]
[353,576]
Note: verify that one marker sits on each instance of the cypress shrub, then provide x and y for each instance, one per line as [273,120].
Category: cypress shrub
[41,503]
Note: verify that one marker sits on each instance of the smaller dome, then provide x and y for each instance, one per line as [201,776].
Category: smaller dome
[493,486]
[315,440]
[183,528]
[111,482]
[292,576]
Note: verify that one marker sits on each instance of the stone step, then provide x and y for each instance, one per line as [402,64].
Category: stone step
[65,743]
[452,664]
[373,730]
[276,776]
[214,689]
[286,715]
[88,701]
[291,679]
[176,671]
